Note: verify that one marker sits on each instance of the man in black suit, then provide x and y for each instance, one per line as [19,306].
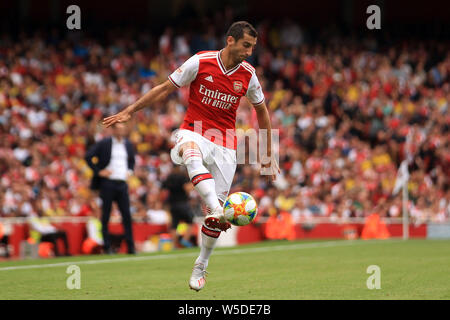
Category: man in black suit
[112,160]
[179,186]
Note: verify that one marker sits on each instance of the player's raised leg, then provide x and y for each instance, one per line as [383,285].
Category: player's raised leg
[222,169]
[214,222]
[205,185]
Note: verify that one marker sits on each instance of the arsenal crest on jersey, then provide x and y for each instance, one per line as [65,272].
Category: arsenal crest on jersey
[237,86]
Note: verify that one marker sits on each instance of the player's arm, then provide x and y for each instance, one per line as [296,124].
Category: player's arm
[155,95]
[179,78]
[255,95]
[269,167]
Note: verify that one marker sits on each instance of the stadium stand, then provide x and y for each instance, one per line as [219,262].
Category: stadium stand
[348,110]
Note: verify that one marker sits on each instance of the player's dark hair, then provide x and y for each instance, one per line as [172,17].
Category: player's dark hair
[238,29]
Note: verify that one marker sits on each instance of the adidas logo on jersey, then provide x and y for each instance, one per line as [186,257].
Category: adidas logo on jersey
[209,78]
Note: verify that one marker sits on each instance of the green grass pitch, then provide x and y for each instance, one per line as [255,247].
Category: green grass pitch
[278,270]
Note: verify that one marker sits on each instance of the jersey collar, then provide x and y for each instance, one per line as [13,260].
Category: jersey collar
[222,67]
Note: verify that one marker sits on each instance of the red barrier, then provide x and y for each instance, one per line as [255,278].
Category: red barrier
[323,230]
[20,232]
[76,233]
[254,233]
[250,233]
[396,230]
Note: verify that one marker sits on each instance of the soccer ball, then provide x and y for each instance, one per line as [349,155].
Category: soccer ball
[240,208]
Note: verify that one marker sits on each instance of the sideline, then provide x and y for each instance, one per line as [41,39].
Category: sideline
[219,251]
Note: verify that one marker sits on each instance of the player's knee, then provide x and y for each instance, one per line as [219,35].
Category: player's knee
[190,145]
[191,154]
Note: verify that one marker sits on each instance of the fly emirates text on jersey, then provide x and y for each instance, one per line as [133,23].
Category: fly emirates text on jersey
[216,98]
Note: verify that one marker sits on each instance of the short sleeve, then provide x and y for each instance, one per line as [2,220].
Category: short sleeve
[185,74]
[254,92]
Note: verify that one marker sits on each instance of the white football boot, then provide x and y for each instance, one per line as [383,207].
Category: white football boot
[216,220]
[198,277]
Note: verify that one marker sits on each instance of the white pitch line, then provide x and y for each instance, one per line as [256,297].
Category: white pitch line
[326,244]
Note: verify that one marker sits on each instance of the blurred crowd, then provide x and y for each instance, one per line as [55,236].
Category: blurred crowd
[348,111]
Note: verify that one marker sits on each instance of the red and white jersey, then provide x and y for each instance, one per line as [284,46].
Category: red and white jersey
[214,95]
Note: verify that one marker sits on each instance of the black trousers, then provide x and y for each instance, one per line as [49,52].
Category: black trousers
[4,241]
[52,237]
[181,211]
[115,190]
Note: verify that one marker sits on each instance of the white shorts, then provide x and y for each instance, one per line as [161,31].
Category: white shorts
[220,161]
